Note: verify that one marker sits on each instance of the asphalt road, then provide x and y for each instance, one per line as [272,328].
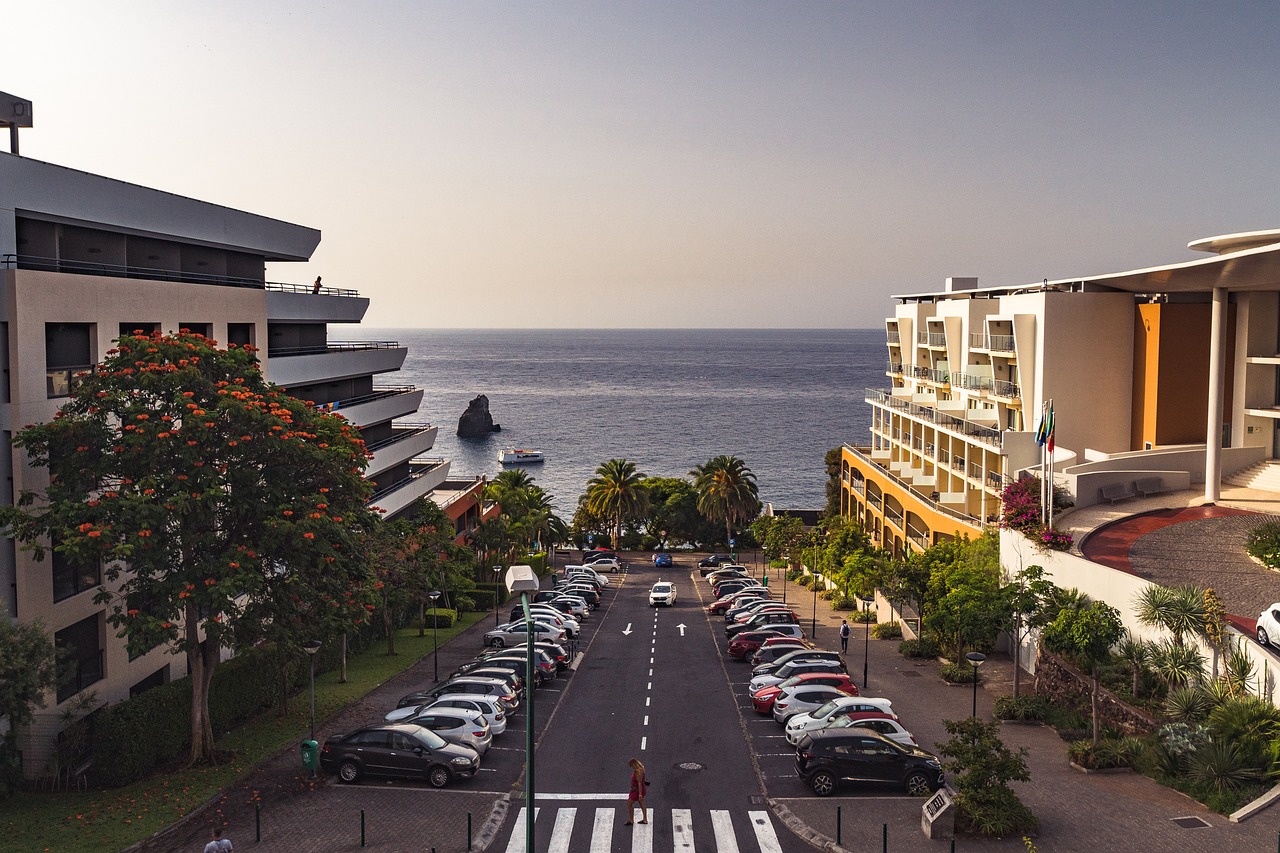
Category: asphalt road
[651,685]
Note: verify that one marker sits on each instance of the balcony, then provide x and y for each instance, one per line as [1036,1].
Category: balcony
[895,518]
[289,366]
[907,488]
[893,337]
[917,536]
[424,475]
[893,368]
[78,267]
[936,340]
[991,343]
[382,405]
[937,377]
[1001,388]
[985,434]
[407,441]
[294,303]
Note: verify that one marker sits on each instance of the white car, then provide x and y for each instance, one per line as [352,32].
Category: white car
[819,718]
[573,571]
[803,698]
[1269,625]
[662,592]
[572,604]
[493,712]
[606,564]
[547,613]
[892,729]
[457,725]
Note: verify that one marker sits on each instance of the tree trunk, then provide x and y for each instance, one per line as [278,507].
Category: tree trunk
[202,658]
[1017,656]
[1093,701]
[387,626]
[422,619]
[342,671]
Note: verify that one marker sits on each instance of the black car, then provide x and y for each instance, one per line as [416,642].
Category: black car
[766,667]
[544,662]
[713,562]
[398,749]
[827,757]
[583,591]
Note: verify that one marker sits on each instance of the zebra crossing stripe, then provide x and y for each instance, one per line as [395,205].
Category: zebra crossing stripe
[602,832]
[642,835]
[516,845]
[726,841]
[765,836]
[562,831]
[682,829]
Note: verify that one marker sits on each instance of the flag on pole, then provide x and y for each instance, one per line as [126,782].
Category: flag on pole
[1042,431]
[1049,429]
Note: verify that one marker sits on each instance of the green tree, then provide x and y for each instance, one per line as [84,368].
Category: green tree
[616,493]
[673,511]
[727,492]
[205,491]
[1025,605]
[833,460]
[1180,610]
[1087,635]
[982,767]
[28,670]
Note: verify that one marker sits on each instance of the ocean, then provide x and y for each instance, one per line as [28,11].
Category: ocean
[667,400]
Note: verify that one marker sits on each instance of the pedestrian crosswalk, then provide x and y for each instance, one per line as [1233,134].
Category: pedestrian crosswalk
[602,831]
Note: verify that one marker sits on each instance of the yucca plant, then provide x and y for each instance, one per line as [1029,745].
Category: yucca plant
[1137,654]
[1177,664]
[1224,765]
[1238,667]
[1180,610]
[1249,723]
[1187,705]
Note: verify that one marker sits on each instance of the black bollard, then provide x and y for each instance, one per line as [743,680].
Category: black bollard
[257,822]
[885,837]
[468,830]
[362,827]
[837,825]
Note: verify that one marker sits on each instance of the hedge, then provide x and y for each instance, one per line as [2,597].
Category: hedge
[442,618]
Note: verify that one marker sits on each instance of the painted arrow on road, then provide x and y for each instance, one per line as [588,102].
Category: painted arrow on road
[681,626]
[628,630]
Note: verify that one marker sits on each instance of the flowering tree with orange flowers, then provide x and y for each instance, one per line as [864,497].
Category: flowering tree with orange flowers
[222,510]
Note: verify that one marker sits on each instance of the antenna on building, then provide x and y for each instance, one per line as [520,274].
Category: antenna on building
[15,112]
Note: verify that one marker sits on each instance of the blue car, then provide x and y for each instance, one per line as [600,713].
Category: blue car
[662,559]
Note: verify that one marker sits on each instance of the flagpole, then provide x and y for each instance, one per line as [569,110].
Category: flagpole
[1049,463]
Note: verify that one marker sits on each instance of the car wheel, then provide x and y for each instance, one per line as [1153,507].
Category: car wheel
[1263,639]
[823,783]
[349,772]
[917,784]
[496,642]
[439,776]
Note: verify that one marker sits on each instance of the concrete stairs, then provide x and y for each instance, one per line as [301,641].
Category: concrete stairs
[1264,476]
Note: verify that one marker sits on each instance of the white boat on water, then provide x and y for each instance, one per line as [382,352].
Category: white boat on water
[514,456]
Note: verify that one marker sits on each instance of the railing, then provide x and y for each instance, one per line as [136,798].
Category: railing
[1002,388]
[931,339]
[934,416]
[917,536]
[11,260]
[859,486]
[894,516]
[893,337]
[402,431]
[332,346]
[993,343]
[88,670]
[61,381]
[907,487]
[893,368]
[940,377]
[377,394]
[874,501]
[427,464]
[972,382]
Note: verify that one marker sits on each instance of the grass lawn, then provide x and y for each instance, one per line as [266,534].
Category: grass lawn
[114,819]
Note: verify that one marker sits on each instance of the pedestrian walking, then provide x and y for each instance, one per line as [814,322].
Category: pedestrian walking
[844,636]
[638,785]
[218,844]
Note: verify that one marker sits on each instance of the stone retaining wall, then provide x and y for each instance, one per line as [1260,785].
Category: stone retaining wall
[1058,680]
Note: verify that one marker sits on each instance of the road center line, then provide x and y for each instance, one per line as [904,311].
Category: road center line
[644,741]
[646,719]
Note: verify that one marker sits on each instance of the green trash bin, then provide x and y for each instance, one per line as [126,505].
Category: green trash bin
[765,581]
[310,754]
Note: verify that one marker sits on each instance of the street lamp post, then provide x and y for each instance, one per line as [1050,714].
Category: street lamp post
[813,634]
[497,570]
[976,659]
[435,644]
[522,580]
[866,638]
[311,648]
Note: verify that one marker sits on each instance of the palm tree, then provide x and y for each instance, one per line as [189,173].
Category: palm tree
[616,493]
[726,492]
[1180,610]
[1136,653]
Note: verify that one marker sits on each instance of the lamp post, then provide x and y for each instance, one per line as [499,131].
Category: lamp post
[976,659]
[866,638]
[435,645]
[813,634]
[497,570]
[522,579]
[311,648]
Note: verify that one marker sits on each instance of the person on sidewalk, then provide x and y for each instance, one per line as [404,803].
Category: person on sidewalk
[844,636]
[638,786]
[218,844]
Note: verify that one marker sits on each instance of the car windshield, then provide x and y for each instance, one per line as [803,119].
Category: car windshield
[824,710]
[429,738]
[662,587]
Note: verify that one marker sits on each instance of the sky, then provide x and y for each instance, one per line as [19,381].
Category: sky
[673,164]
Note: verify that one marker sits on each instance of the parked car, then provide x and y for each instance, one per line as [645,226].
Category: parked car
[457,725]
[796,667]
[770,652]
[587,593]
[493,712]
[762,700]
[662,592]
[398,749]
[797,654]
[714,561]
[744,645]
[802,698]
[737,599]
[548,614]
[720,575]
[481,668]
[729,587]
[544,665]
[606,564]
[662,560]
[593,571]
[574,605]
[750,608]
[598,554]
[515,633]
[1269,625]
[495,687]
[886,724]
[833,712]
[762,620]
[826,758]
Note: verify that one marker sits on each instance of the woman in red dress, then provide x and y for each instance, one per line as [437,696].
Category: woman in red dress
[638,786]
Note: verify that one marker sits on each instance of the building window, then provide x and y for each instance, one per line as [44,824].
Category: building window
[239,333]
[72,576]
[80,663]
[139,330]
[155,679]
[67,348]
[205,329]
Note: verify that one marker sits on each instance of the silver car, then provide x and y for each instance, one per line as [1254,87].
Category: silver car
[494,714]
[576,607]
[516,634]
[457,725]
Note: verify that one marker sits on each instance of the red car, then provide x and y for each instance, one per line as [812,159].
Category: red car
[720,605]
[745,644]
[762,699]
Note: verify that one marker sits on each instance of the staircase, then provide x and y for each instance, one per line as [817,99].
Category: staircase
[1264,476]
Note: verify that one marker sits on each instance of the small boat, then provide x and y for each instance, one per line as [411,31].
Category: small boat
[514,456]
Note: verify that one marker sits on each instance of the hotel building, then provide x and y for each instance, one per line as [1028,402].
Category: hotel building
[83,259]
[1140,366]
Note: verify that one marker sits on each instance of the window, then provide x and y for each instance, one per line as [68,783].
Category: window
[155,679]
[81,663]
[371,739]
[72,576]
[205,329]
[402,741]
[239,333]
[67,351]
[139,329]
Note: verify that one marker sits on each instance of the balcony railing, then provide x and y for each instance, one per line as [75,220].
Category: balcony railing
[894,516]
[332,346]
[931,339]
[418,466]
[940,377]
[402,431]
[284,287]
[992,343]
[907,487]
[1001,388]
[917,536]
[377,394]
[984,434]
[893,337]
[859,486]
[893,368]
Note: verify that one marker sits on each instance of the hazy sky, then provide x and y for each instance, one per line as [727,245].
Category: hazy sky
[673,163]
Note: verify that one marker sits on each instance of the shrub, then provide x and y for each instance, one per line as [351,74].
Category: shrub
[842,602]
[805,581]
[956,673]
[1263,543]
[442,618]
[867,617]
[923,647]
[887,631]
[1223,766]
[997,813]
[982,768]
[795,575]
[1110,753]
[1026,707]
[777,564]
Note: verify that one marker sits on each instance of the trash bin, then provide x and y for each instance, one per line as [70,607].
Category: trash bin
[310,754]
[765,581]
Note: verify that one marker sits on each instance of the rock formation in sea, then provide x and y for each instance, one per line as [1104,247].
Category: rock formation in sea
[476,420]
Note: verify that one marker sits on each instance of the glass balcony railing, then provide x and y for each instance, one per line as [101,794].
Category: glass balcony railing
[331,346]
[893,368]
[931,339]
[991,343]
[985,434]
